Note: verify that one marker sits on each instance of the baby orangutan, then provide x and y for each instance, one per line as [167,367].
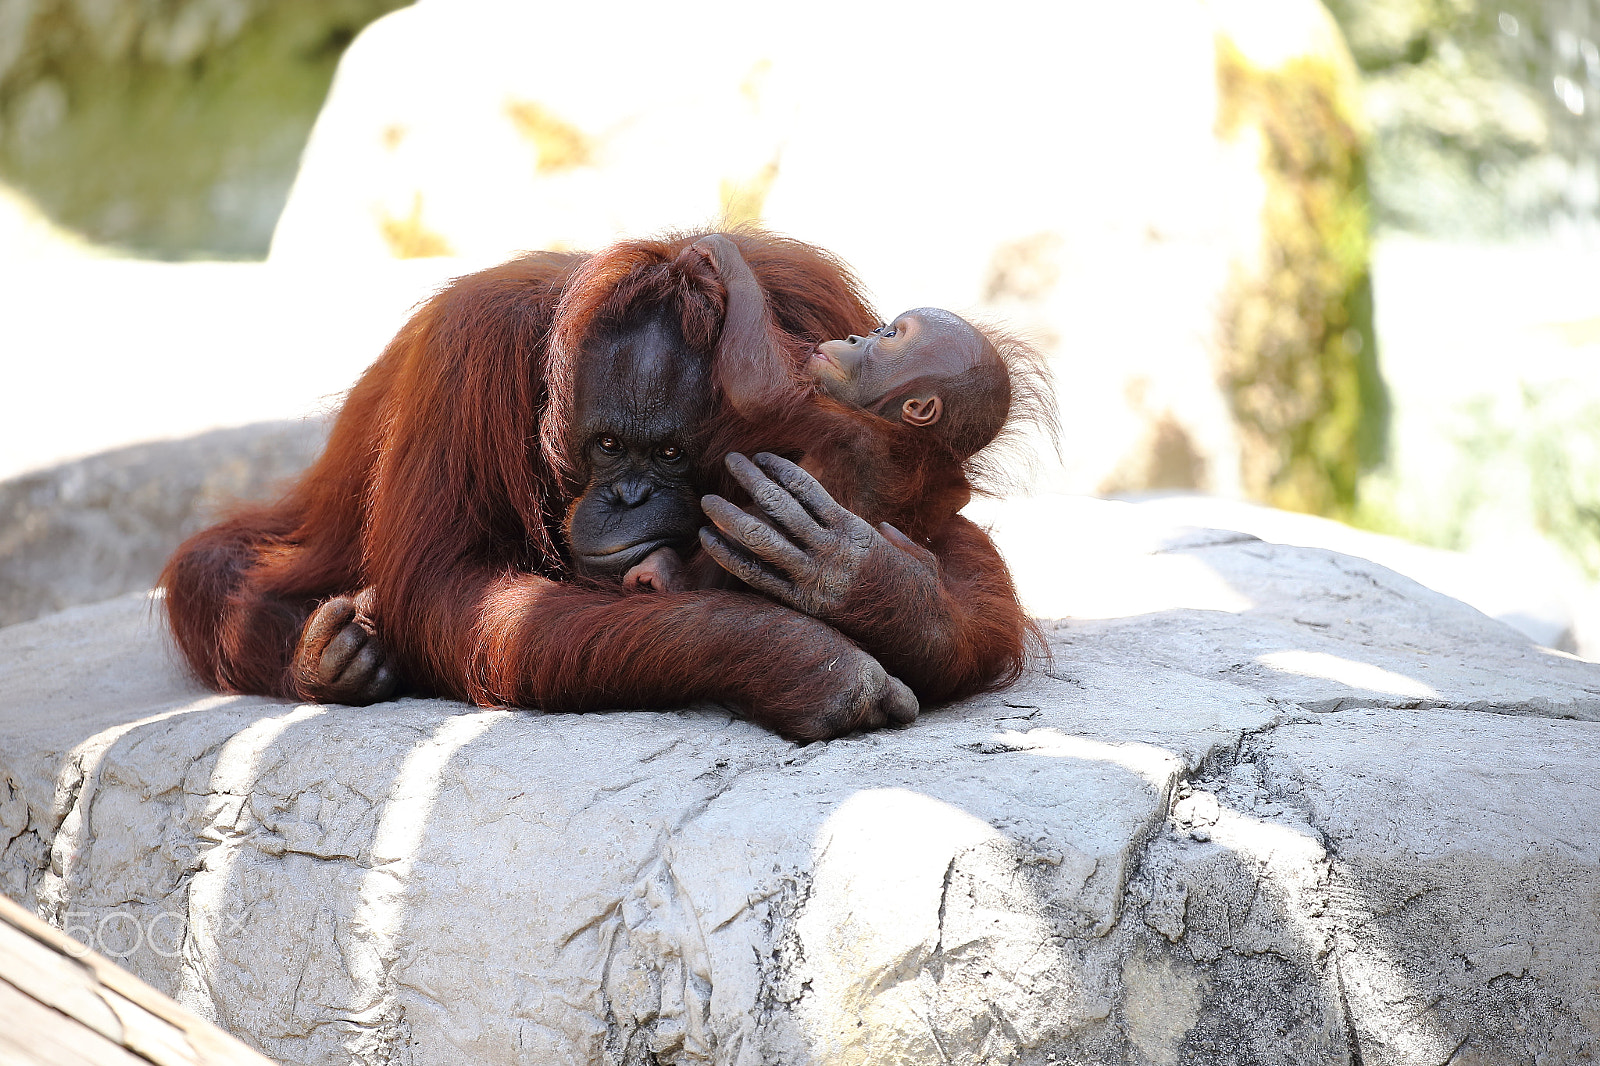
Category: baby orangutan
[885,423]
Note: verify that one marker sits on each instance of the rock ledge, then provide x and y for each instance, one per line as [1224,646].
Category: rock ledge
[1266,804]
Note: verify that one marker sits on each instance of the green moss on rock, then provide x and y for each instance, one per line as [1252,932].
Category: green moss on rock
[172,129]
[1299,360]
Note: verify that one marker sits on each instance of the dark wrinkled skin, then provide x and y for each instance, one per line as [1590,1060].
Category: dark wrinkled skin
[807,552]
[640,399]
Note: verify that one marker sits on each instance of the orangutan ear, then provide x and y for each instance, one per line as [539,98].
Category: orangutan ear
[916,412]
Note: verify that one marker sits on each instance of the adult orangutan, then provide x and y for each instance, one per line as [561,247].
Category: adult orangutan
[533,432]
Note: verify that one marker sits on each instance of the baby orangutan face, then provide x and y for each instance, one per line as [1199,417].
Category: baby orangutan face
[897,370]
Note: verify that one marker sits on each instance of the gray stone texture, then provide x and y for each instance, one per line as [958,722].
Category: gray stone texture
[82,531]
[1264,804]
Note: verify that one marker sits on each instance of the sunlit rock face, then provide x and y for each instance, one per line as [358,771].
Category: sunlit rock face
[1265,804]
[1118,181]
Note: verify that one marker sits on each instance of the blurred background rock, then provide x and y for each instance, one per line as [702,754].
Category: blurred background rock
[167,128]
[1353,281]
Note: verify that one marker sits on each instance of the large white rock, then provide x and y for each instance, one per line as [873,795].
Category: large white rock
[1266,804]
[1058,165]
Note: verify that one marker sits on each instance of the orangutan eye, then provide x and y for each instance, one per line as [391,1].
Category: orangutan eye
[610,445]
[670,453]
[890,333]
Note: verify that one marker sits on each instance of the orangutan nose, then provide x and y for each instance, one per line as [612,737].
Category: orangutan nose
[632,493]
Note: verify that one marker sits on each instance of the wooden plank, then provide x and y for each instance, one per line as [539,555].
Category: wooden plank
[64,1004]
[54,980]
[156,1039]
[36,1035]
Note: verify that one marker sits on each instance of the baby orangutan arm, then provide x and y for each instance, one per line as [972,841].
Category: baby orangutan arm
[751,367]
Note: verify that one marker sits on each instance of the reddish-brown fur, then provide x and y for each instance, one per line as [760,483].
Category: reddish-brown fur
[445,482]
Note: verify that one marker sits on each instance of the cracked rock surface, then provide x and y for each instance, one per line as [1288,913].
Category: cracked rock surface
[1266,804]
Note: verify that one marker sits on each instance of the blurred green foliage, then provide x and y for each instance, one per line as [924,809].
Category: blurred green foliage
[1486,116]
[1563,461]
[1530,461]
[172,128]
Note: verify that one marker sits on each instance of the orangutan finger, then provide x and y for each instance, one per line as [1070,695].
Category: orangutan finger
[899,704]
[384,684]
[775,500]
[326,621]
[340,652]
[751,571]
[754,535]
[803,487]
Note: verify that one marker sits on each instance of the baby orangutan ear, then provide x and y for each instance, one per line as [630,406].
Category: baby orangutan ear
[916,412]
